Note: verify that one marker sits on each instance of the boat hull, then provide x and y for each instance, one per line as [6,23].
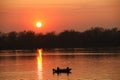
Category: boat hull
[61,70]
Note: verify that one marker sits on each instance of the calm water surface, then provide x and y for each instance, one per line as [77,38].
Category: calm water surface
[20,65]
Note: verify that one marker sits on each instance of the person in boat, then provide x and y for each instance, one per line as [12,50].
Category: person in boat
[58,68]
[68,68]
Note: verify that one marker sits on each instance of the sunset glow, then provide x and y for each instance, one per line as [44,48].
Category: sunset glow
[58,15]
[38,24]
[39,63]
[40,52]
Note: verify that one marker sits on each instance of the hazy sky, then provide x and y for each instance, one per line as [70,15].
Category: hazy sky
[58,15]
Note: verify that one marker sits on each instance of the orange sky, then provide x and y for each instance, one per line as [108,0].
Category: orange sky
[58,15]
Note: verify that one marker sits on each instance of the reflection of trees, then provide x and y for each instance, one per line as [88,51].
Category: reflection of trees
[94,37]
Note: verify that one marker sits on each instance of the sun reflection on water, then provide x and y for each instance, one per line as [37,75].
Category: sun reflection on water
[39,63]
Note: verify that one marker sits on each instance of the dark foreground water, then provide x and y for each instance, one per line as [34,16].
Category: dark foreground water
[26,65]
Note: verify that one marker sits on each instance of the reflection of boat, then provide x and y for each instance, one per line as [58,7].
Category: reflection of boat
[58,70]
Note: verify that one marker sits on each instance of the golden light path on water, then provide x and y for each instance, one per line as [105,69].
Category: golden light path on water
[39,63]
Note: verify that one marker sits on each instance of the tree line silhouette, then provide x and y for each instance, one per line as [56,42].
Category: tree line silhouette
[94,37]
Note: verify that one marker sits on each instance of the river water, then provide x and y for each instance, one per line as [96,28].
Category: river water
[38,65]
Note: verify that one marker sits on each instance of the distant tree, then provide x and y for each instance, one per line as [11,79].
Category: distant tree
[26,39]
[11,39]
[50,39]
[2,39]
[94,37]
[69,38]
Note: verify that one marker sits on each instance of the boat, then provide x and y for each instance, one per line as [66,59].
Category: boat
[65,70]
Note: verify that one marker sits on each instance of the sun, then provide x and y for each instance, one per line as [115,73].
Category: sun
[38,24]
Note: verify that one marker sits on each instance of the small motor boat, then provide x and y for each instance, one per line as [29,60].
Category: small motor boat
[58,70]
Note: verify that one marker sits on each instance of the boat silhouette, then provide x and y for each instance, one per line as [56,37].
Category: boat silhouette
[65,70]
